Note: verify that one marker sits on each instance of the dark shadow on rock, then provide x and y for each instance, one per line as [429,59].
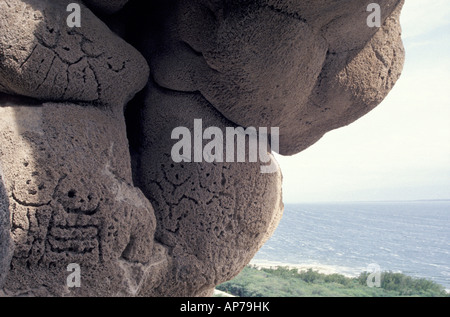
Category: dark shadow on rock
[6,245]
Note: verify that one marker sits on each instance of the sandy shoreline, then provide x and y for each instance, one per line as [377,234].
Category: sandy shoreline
[325,269]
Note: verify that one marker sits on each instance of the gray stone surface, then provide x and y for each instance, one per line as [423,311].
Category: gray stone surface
[106,6]
[305,66]
[202,207]
[72,200]
[41,57]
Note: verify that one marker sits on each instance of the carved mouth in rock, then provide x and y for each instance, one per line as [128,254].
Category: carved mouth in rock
[88,175]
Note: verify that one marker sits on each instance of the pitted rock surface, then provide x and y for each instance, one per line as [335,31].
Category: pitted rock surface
[203,207]
[306,68]
[41,57]
[72,200]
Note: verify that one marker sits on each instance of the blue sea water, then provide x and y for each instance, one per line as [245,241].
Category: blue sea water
[408,237]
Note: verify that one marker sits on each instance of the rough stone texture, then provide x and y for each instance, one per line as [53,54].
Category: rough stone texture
[41,57]
[83,183]
[202,207]
[68,180]
[306,68]
[5,230]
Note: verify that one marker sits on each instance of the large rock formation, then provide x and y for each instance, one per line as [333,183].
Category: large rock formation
[43,58]
[88,174]
[304,66]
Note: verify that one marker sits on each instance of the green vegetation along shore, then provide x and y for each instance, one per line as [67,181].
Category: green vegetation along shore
[286,282]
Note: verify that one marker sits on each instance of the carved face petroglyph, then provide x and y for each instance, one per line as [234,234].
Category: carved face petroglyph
[87,114]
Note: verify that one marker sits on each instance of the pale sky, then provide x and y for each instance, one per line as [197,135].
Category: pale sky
[400,150]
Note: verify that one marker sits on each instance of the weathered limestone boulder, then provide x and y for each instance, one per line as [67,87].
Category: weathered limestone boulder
[305,66]
[41,57]
[88,175]
[68,178]
[202,207]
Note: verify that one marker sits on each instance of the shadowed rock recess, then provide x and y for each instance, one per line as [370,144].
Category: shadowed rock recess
[87,174]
